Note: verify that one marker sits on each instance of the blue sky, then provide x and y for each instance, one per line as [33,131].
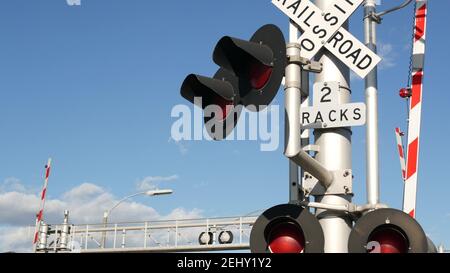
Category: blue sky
[93,86]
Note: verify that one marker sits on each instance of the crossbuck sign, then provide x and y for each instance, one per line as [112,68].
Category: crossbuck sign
[323,29]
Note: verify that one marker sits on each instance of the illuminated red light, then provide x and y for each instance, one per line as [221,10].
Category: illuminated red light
[390,240]
[259,75]
[286,238]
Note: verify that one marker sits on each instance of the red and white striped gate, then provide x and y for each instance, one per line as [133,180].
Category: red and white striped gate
[415,109]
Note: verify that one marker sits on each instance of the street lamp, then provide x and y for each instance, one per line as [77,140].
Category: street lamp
[147,193]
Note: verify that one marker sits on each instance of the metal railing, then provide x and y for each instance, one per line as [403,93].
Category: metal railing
[149,236]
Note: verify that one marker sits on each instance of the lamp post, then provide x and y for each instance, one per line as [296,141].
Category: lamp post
[147,193]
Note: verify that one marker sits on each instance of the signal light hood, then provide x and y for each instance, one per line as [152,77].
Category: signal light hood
[219,91]
[259,64]
[286,228]
[388,226]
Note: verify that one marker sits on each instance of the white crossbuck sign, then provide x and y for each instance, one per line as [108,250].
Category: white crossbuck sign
[324,29]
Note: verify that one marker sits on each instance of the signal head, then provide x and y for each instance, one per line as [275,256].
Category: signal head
[286,228]
[387,231]
[259,64]
[219,99]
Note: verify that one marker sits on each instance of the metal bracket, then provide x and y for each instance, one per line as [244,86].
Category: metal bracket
[311,147]
[342,184]
[314,67]
[375,17]
[295,59]
[355,210]
[317,125]
[307,65]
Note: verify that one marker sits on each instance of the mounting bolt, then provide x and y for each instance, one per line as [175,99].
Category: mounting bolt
[346,173]
[346,189]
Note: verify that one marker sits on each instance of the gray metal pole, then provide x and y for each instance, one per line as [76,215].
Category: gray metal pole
[292,114]
[294,184]
[64,239]
[335,153]
[371,86]
[296,94]
[305,133]
[293,95]
[105,225]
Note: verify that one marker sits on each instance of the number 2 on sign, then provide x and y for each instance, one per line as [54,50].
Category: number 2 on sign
[326,92]
[325,97]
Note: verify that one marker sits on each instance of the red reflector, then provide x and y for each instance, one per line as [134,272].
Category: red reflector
[286,238]
[405,93]
[259,75]
[390,240]
[225,106]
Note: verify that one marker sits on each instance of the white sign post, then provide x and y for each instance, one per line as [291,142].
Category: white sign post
[323,29]
[328,111]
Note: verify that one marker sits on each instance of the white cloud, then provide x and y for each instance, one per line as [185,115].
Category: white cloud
[151,182]
[82,192]
[181,213]
[18,208]
[17,239]
[12,184]
[182,147]
[387,54]
[86,204]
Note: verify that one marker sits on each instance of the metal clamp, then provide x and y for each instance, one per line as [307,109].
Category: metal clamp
[374,17]
[307,65]
[311,147]
[295,59]
[315,67]
[342,184]
[350,208]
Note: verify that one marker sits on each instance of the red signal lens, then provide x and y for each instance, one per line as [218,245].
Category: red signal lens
[259,75]
[390,241]
[225,106]
[286,238]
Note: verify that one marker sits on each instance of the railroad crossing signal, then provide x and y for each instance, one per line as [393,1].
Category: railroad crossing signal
[323,29]
[292,228]
[250,75]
